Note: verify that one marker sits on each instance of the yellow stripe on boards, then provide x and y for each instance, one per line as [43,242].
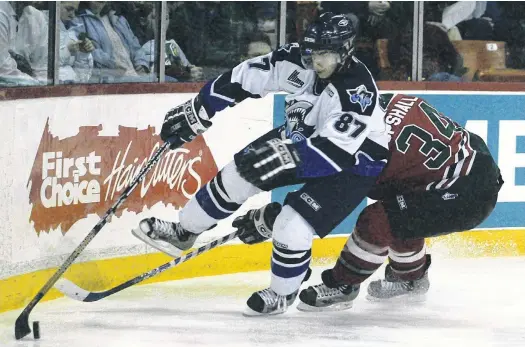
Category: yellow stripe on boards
[17,291]
[482,243]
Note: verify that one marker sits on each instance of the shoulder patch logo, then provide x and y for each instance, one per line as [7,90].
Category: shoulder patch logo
[294,79]
[384,100]
[361,96]
[288,47]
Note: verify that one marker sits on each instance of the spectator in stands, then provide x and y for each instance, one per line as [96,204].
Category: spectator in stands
[10,69]
[441,61]
[76,60]
[117,56]
[256,44]
[210,32]
[465,20]
[267,13]
[177,66]
[510,28]
[32,36]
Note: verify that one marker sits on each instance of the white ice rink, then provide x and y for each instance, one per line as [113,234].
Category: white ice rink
[471,302]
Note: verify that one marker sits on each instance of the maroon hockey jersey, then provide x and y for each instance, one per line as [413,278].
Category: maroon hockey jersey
[427,149]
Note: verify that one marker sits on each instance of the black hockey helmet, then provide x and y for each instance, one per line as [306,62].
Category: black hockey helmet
[331,32]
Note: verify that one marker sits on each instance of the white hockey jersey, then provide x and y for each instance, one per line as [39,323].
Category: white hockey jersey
[336,125]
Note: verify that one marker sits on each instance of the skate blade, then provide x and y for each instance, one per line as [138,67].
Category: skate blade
[402,299]
[248,312]
[162,246]
[340,306]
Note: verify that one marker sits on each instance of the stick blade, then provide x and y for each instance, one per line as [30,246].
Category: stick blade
[22,326]
[71,290]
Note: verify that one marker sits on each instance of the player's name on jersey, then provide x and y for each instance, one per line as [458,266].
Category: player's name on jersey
[396,113]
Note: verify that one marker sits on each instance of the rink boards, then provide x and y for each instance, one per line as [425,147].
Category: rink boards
[65,160]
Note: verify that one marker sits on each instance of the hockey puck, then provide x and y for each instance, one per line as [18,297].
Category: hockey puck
[36,330]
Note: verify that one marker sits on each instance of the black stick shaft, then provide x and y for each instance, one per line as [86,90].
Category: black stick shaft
[95,296]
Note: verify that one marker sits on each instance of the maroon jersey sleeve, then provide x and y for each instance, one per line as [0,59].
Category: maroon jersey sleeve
[428,150]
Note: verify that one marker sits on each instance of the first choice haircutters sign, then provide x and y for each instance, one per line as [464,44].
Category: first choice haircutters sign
[85,174]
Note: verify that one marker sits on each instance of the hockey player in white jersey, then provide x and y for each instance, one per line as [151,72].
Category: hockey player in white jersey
[333,133]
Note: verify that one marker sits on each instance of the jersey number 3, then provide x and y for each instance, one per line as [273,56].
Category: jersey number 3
[434,149]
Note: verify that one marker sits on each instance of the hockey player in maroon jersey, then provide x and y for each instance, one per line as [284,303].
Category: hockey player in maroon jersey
[439,179]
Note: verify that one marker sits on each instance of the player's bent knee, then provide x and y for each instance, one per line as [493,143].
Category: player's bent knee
[236,187]
[292,230]
[194,218]
[373,226]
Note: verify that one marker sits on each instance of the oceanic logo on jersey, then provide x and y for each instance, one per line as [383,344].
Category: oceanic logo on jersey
[361,96]
[296,112]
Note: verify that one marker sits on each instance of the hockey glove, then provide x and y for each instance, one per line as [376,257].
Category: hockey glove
[185,122]
[272,159]
[257,225]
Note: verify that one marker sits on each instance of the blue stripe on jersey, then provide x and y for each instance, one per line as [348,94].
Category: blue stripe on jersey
[366,166]
[289,272]
[208,205]
[321,157]
[214,103]
[312,162]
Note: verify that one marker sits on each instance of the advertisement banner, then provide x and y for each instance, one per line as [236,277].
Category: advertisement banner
[70,179]
[499,118]
[63,173]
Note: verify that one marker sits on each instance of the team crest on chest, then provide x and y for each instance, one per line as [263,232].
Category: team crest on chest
[361,96]
[296,111]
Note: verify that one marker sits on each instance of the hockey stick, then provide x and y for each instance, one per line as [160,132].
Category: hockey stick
[22,322]
[73,291]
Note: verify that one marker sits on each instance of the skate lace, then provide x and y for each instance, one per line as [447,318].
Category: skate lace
[180,231]
[388,285]
[271,298]
[325,292]
[169,229]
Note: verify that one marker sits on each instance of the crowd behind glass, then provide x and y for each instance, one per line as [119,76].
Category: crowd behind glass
[116,42]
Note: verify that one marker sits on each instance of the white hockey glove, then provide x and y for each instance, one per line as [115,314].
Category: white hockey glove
[257,225]
[270,160]
[185,122]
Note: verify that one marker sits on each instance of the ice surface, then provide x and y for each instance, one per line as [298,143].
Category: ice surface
[471,302]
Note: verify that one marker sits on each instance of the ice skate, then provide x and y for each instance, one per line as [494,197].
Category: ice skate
[168,237]
[392,288]
[267,302]
[328,296]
